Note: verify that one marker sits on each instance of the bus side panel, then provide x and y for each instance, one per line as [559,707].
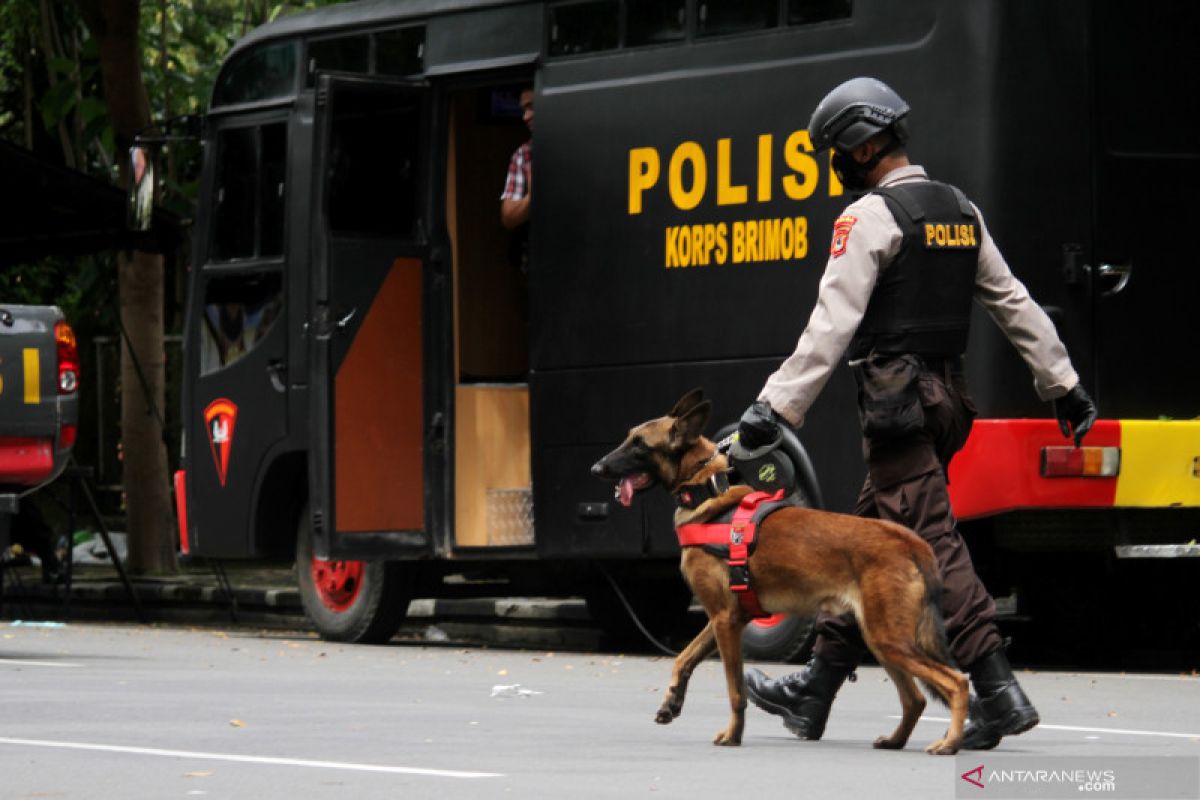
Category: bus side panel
[702,231]
[579,415]
[1032,183]
[1147,168]
[683,226]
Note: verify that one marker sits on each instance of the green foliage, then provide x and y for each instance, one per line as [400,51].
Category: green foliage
[183,43]
[84,288]
[52,101]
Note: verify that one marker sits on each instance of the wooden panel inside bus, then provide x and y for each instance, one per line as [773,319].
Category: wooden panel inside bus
[492,477]
[492,449]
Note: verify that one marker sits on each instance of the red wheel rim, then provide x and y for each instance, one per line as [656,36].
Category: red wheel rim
[337,583]
[769,622]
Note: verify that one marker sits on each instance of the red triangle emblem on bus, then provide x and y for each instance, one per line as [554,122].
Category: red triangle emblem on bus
[220,418]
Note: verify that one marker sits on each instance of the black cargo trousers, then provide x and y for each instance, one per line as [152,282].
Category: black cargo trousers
[906,483]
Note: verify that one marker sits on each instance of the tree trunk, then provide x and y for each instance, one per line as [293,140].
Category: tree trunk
[114,24]
[143,377]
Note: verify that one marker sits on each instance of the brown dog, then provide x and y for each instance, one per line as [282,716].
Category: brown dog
[805,561]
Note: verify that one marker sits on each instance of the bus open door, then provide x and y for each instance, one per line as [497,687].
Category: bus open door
[371,407]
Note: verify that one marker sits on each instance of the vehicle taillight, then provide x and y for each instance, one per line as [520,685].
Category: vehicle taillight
[1081,462]
[68,358]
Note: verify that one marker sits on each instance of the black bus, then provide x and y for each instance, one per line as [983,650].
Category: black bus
[383,380]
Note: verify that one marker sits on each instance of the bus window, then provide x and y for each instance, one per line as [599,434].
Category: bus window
[655,22]
[806,12]
[270,188]
[400,52]
[583,27]
[261,73]
[718,17]
[251,164]
[343,54]
[238,313]
[232,237]
[373,173]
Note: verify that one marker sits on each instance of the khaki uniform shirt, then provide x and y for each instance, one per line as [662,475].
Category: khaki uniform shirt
[855,261]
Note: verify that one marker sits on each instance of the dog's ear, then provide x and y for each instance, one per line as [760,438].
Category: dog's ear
[687,402]
[689,427]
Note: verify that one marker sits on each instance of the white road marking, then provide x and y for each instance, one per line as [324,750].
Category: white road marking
[284,762]
[21,662]
[1186,677]
[1081,729]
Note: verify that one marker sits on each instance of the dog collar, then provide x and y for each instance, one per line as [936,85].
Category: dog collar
[693,495]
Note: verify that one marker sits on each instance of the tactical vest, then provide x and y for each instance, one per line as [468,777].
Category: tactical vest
[922,301]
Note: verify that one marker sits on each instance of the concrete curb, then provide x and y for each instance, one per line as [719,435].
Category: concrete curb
[196,599]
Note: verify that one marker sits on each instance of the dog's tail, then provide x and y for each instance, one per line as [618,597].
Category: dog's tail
[931,629]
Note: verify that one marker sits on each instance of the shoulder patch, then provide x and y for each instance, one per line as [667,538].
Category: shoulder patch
[841,234]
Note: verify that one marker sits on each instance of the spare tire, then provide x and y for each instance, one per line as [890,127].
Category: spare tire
[781,637]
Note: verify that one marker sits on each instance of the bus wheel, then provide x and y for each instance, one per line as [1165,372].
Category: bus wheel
[351,601]
[780,637]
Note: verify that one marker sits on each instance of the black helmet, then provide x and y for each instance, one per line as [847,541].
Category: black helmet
[854,112]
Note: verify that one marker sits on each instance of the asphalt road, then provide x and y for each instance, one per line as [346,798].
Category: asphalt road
[108,711]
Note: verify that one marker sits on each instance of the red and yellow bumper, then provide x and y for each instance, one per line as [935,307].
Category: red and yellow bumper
[1010,464]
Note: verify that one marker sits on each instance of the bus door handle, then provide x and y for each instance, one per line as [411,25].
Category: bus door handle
[1110,278]
[325,323]
[1113,278]
[436,436]
[277,372]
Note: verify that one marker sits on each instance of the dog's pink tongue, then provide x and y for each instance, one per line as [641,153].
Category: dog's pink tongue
[625,492]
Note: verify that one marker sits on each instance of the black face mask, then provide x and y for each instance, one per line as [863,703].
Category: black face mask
[852,174]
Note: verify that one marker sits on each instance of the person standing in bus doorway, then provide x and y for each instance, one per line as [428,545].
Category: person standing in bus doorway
[906,261]
[518,184]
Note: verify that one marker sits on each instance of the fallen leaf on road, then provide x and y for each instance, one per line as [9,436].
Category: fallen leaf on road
[237,723]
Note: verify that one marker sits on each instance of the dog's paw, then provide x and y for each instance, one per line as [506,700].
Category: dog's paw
[888,743]
[665,716]
[727,739]
[941,748]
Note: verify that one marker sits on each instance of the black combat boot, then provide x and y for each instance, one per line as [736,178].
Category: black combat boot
[1000,708]
[802,698]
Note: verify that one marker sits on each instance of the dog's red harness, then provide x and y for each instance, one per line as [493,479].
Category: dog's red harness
[732,536]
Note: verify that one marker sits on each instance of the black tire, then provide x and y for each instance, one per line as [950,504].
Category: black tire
[783,638]
[370,603]
[773,639]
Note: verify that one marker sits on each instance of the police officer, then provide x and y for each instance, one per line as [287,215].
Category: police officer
[907,259]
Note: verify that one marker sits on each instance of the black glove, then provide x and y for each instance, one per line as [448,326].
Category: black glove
[1076,412]
[759,426]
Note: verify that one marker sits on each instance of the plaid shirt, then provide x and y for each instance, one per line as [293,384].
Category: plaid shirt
[516,185]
